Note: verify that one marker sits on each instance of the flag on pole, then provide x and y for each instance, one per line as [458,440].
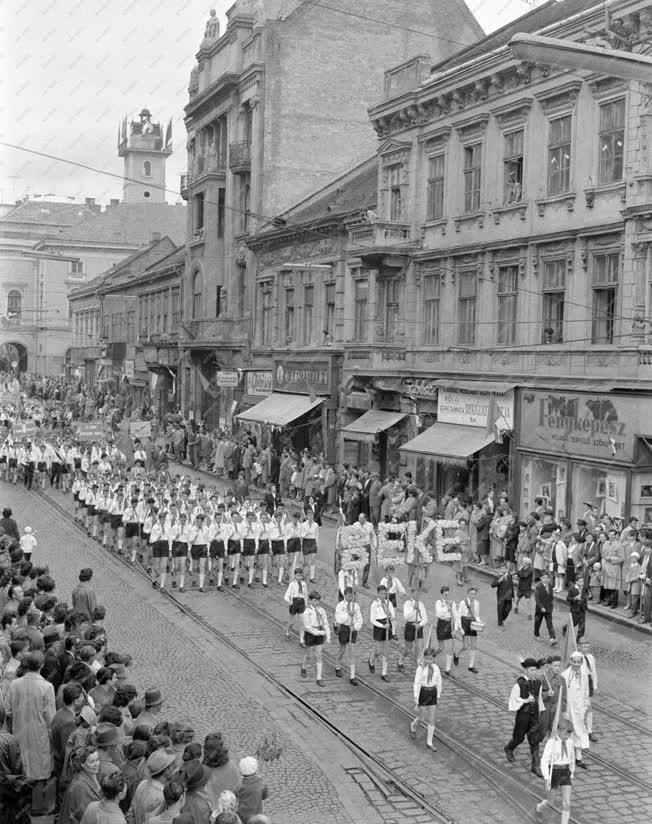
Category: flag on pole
[213,391]
[493,415]
[557,715]
[570,641]
[124,442]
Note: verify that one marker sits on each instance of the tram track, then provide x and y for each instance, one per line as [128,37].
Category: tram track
[515,792]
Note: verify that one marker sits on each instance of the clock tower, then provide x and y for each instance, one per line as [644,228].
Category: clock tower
[145,150]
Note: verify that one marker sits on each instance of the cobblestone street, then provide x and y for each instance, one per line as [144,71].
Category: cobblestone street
[189,662]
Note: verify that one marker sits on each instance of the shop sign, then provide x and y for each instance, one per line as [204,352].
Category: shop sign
[259,384]
[595,426]
[420,388]
[227,378]
[130,369]
[472,408]
[302,377]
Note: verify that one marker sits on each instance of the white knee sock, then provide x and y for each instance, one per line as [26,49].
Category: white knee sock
[201,579]
[251,575]
[312,571]
[220,574]
[182,580]
[320,667]
[280,574]
[430,731]
[565,816]
[162,579]
[472,658]
[384,665]
[352,670]
[120,544]
[449,661]
[302,635]
[265,576]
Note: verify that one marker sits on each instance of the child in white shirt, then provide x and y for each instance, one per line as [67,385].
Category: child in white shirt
[28,543]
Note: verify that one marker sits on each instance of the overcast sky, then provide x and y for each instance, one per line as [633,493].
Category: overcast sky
[73,68]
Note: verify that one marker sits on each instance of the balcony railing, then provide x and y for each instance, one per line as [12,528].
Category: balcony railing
[240,157]
[218,330]
[380,234]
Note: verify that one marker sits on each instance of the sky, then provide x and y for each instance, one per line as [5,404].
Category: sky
[72,69]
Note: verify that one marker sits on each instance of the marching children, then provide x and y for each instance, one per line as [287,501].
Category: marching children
[558,768]
[416,618]
[525,574]
[348,620]
[526,702]
[309,531]
[278,543]
[427,691]
[468,616]
[394,586]
[446,615]
[316,633]
[28,543]
[296,596]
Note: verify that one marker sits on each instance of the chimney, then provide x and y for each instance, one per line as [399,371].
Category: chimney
[114,202]
[94,207]
[156,236]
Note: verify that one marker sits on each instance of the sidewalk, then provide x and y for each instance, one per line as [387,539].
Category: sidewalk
[616,616]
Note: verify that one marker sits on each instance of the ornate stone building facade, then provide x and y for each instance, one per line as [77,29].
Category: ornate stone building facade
[277,109]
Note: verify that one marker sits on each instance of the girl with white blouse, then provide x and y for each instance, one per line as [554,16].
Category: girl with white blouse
[309,542]
[427,691]
[446,616]
[382,616]
[468,611]
[316,633]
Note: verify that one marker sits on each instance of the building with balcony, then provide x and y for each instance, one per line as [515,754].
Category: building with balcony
[498,304]
[126,325]
[277,109]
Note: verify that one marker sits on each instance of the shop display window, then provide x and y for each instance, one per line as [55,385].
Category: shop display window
[605,489]
[541,478]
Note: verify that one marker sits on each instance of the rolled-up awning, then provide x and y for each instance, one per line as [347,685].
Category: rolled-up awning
[280,409]
[449,442]
[367,426]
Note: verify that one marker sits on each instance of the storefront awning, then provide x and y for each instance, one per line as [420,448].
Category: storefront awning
[367,426]
[280,409]
[497,387]
[449,442]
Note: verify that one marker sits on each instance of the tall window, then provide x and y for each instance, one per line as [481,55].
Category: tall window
[198,213]
[431,290]
[395,194]
[513,167]
[248,124]
[218,300]
[245,201]
[554,295]
[559,155]
[175,307]
[605,294]
[329,300]
[196,295]
[77,267]
[472,177]
[241,279]
[507,303]
[612,141]
[289,315]
[14,304]
[392,290]
[220,212]
[308,303]
[266,314]
[435,191]
[361,304]
[147,168]
[466,307]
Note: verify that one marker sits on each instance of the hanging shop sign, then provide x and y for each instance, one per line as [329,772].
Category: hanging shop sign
[472,408]
[227,378]
[595,426]
[302,377]
[259,384]
[420,388]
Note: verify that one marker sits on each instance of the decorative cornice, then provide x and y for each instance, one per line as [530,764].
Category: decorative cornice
[470,126]
[512,112]
[435,136]
[602,86]
[559,97]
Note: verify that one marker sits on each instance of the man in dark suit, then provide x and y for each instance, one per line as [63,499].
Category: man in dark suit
[504,586]
[63,723]
[543,606]
[482,528]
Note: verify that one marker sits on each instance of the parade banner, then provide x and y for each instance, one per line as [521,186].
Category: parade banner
[140,429]
[8,397]
[25,429]
[91,431]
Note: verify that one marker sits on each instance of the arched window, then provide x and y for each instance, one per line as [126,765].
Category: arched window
[147,168]
[196,295]
[14,304]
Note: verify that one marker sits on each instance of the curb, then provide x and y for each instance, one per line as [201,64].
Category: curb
[607,615]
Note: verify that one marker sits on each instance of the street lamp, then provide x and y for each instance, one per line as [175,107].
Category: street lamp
[569,55]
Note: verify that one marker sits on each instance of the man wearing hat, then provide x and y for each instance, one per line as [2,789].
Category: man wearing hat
[106,737]
[526,701]
[197,803]
[148,798]
[578,704]
[153,704]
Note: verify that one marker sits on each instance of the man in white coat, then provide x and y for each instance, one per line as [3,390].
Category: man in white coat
[577,704]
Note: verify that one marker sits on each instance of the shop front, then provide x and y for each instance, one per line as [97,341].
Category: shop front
[299,411]
[372,440]
[467,449]
[162,364]
[577,449]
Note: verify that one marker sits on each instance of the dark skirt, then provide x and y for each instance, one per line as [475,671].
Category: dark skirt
[278,547]
[409,633]
[346,635]
[217,549]
[263,547]
[392,599]
[13,463]
[160,549]
[179,549]
[444,630]
[116,520]
[76,462]
[311,640]
[309,546]
[3,459]
[428,697]
[132,528]
[41,466]
[294,545]
[561,777]
[249,547]
[198,551]
[234,547]
[298,606]
[466,627]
